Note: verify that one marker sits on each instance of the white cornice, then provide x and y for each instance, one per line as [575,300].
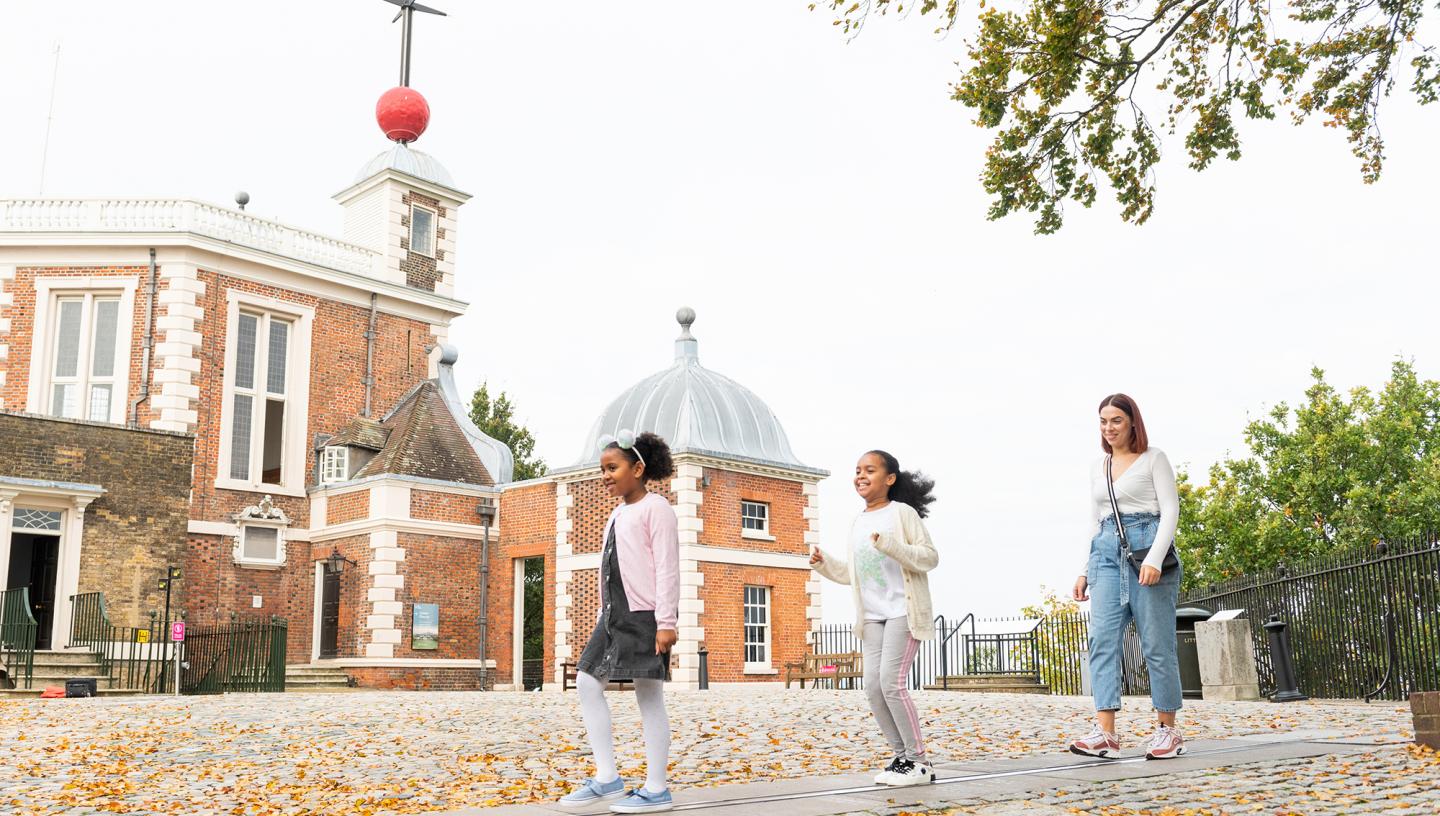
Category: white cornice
[402,525]
[229,259]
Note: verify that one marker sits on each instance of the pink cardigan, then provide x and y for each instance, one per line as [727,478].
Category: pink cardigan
[647,542]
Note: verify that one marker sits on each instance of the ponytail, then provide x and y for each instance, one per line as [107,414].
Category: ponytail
[911,486]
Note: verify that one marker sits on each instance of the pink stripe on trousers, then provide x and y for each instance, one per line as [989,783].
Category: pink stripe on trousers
[901,678]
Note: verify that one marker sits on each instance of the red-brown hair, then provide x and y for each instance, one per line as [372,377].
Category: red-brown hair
[1139,440]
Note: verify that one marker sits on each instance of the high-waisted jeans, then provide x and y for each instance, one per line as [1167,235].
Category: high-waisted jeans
[1116,598]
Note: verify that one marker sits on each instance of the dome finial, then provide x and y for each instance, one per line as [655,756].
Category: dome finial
[686,346]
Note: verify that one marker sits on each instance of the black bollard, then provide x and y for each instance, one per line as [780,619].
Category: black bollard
[1280,660]
[704,669]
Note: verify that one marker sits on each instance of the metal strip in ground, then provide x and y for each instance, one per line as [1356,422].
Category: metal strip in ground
[784,797]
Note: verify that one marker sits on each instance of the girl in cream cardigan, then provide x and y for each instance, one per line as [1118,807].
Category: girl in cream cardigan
[890,553]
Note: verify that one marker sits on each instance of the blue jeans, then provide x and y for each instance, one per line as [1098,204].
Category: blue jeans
[1116,598]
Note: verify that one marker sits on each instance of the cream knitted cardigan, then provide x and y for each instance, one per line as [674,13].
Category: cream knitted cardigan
[909,544]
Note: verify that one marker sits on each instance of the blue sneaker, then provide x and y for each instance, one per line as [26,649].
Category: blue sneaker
[643,801]
[593,793]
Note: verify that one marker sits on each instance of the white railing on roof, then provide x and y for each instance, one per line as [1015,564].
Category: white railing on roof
[183,215]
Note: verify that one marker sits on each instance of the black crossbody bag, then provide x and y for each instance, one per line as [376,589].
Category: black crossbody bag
[1137,557]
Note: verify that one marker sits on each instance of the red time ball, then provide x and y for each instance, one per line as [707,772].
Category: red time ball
[402,114]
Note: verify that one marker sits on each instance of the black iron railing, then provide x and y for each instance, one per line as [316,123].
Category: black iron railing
[17,637]
[131,657]
[1362,623]
[244,655]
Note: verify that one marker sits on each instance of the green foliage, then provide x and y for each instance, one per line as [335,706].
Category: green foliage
[1077,87]
[497,419]
[1337,472]
[1059,638]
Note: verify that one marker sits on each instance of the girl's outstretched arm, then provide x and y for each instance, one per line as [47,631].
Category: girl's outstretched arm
[830,566]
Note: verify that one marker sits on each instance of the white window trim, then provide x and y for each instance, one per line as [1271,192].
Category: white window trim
[260,563]
[434,230]
[758,535]
[297,397]
[47,289]
[767,666]
[344,457]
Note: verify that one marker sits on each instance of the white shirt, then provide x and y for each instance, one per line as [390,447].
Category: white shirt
[1147,486]
[882,586]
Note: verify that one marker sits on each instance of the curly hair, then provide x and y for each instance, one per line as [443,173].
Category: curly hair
[911,486]
[654,452]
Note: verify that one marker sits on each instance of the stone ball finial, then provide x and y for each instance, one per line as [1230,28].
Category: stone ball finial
[685,316]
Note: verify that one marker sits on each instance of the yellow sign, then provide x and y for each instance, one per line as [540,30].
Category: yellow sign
[142,635]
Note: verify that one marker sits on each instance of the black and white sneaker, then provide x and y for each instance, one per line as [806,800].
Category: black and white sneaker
[907,773]
[891,768]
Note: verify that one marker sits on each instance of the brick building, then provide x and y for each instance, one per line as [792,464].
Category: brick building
[275,411]
[748,509]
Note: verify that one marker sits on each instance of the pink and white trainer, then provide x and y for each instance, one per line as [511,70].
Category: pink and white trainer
[1166,744]
[1100,743]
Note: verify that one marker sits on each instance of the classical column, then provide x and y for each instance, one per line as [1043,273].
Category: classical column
[7,518]
[67,582]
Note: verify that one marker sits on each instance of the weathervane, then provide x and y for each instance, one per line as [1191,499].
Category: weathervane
[407,10]
[402,111]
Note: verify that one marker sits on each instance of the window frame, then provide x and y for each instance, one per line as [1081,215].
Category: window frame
[432,237]
[44,341]
[747,532]
[242,559]
[328,457]
[767,629]
[296,396]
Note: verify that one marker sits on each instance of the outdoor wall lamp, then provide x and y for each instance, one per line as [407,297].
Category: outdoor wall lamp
[336,562]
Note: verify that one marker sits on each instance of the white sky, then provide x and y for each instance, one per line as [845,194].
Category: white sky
[815,202]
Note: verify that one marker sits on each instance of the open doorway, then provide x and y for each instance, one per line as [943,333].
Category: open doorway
[35,565]
[530,623]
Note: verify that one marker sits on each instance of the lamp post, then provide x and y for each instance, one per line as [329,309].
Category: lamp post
[172,574]
[487,511]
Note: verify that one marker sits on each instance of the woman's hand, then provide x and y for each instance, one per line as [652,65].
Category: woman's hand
[815,557]
[664,639]
[1149,576]
[1079,593]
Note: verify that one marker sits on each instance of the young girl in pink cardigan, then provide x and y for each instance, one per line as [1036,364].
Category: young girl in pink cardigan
[639,608]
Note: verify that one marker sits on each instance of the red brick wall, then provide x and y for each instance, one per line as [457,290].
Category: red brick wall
[723,619]
[585,589]
[337,392]
[592,509]
[427,678]
[347,507]
[720,511]
[444,571]
[22,328]
[527,524]
[451,507]
[215,587]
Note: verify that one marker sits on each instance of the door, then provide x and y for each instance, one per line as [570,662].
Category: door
[533,625]
[35,563]
[330,614]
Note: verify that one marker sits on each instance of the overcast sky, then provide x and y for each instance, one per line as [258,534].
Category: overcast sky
[816,202]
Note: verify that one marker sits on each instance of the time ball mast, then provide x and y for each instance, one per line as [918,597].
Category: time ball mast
[402,111]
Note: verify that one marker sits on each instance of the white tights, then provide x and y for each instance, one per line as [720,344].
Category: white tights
[654,722]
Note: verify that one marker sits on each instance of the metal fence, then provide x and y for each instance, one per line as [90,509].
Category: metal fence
[242,655]
[17,637]
[1052,650]
[131,657]
[1364,623]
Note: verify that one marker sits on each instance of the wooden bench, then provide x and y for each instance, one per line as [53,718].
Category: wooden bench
[567,678]
[845,666]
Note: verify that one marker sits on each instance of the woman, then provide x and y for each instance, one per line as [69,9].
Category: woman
[1131,583]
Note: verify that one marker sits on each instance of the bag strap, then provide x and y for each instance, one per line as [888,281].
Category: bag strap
[1115,505]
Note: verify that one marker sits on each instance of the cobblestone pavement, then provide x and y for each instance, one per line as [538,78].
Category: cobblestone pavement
[1395,780]
[380,752]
